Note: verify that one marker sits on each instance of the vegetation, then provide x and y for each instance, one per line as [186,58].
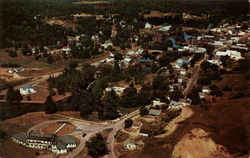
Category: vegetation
[97,146]
[128,123]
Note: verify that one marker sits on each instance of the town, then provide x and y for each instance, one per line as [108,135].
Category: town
[105,80]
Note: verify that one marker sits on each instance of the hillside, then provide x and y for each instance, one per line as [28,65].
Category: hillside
[214,130]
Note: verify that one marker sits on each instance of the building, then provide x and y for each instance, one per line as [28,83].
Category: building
[154,112]
[231,53]
[202,95]
[57,144]
[66,49]
[19,69]
[25,90]
[131,145]
[148,26]
[206,89]
[136,124]
[118,90]
[165,28]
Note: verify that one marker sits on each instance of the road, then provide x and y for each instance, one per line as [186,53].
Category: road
[90,129]
[192,81]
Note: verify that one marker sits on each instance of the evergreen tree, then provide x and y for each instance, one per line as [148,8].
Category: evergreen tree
[128,123]
[97,146]
[50,105]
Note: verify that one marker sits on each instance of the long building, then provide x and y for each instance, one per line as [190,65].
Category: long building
[57,144]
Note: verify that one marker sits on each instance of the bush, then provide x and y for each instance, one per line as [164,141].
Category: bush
[12,65]
[128,123]
[227,89]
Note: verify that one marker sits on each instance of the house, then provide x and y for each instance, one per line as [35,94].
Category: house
[231,53]
[66,49]
[137,52]
[183,72]
[157,102]
[202,95]
[215,62]
[18,69]
[145,132]
[107,44]
[206,89]
[136,124]
[154,112]
[174,104]
[57,144]
[148,26]
[118,90]
[25,90]
[145,60]
[165,28]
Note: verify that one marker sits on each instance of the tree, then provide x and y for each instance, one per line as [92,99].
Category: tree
[13,96]
[13,53]
[143,111]
[176,95]
[128,123]
[50,105]
[50,59]
[118,56]
[205,65]
[73,65]
[2,134]
[97,146]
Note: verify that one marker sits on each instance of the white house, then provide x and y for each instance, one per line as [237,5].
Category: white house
[148,26]
[231,53]
[215,62]
[118,90]
[206,89]
[66,49]
[202,95]
[165,28]
[25,90]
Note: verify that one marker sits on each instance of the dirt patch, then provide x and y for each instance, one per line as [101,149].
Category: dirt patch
[50,129]
[197,145]
[226,125]
[67,129]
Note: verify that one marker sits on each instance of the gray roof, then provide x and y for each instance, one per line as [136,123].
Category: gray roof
[154,112]
[67,139]
[174,103]
[60,145]
[127,142]
[20,136]
[38,136]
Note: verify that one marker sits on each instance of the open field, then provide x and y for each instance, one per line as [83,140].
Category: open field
[90,2]
[21,60]
[157,14]
[19,124]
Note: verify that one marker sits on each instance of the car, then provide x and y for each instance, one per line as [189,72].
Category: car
[84,134]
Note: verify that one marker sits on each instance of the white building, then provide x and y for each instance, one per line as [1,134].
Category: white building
[231,53]
[118,90]
[57,144]
[27,90]
[165,28]
[148,26]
